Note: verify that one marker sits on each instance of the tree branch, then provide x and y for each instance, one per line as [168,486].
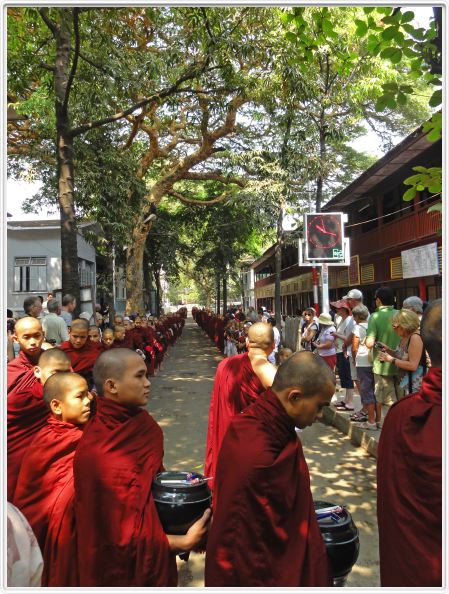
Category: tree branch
[121,114]
[76,30]
[50,24]
[215,176]
[185,200]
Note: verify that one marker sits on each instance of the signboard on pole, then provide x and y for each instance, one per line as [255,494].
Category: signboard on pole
[421,261]
[323,234]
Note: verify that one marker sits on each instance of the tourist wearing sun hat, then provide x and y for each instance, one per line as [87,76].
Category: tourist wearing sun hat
[324,341]
[344,323]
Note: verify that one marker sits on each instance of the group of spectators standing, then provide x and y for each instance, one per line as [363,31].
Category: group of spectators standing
[381,354]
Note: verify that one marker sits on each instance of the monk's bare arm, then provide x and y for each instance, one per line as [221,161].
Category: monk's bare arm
[194,537]
[265,371]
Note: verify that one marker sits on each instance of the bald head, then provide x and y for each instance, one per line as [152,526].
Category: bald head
[431,332]
[306,371]
[28,333]
[51,356]
[59,384]
[260,335]
[112,364]
[28,324]
[80,324]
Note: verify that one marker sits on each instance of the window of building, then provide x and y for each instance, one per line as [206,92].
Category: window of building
[30,274]
[392,202]
[86,272]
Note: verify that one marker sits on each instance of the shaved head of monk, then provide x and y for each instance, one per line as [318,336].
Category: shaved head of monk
[50,362]
[304,384]
[121,375]
[68,397]
[79,333]
[260,336]
[108,336]
[28,333]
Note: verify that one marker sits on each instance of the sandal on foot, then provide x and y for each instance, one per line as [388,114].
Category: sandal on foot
[359,416]
[368,425]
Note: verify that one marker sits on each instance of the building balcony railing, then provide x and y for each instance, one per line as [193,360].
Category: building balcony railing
[414,226]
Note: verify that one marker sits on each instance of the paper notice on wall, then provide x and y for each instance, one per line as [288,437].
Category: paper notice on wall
[421,261]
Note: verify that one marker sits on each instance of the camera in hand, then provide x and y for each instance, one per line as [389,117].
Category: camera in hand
[379,345]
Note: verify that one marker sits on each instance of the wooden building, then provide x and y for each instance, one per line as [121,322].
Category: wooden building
[380,227]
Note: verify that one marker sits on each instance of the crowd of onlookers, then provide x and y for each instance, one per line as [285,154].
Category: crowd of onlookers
[379,354]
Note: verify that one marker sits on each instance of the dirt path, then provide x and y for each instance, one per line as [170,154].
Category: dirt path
[339,471]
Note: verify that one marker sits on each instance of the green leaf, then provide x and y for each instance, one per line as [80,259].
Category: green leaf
[435,189]
[401,99]
[389,33]
[413,180]
[289,36]
[390,86]
[436,98]
[415,74]
[286,17]
[435,81]
[381,104]
[407,89]
[396,57]
[408,28]
[391,102]
[407,17]
[362,28]
[434,135]
[368,9]
[409,194]
[438,207]
[327,26]
[420,187]
[420,169]
[387,52]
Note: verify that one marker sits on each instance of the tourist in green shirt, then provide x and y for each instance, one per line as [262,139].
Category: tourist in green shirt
[387,389]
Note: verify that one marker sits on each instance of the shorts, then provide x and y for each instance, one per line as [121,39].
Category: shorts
[344,371]
[366,379]
[330,360]
[354,375]
[386,389]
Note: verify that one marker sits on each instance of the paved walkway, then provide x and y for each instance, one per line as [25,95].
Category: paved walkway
[179,401]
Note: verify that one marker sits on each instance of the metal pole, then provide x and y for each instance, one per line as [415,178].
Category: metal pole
[325,287]
[315,289]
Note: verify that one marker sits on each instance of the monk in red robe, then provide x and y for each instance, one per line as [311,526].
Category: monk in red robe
[30,336]
[238,382]
[122,339]
[121,541]
[27,412]
[409,476]
[44,491]
[81,351]
[265,532]
[107,339]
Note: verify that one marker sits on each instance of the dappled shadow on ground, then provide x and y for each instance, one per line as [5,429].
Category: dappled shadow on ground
[345,475]
[340,473]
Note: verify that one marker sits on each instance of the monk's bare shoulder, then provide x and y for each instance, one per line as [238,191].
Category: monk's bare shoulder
[264,370]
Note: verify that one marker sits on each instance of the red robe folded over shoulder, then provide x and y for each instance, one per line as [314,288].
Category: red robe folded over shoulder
[264,531]
[236,386]
[82,359]
[44,494]
[27,413]
[17,376]
[121,541]
[409,489]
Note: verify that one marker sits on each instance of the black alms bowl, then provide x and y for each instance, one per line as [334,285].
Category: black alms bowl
[179,505]
[341,538]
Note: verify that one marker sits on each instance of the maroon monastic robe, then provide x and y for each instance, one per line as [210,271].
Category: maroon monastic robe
[17,376]
[236,386]
[121,541]
[409,489]
[27,413]
[264,531]
[82,359]
[44,494]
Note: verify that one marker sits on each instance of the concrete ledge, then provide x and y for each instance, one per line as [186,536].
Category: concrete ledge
[359,437]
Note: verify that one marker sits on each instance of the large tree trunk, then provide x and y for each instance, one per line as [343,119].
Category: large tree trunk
[157,279]
[217,308]
[320,178]
[64,153]
[225,292]
[134,266]
[278,268]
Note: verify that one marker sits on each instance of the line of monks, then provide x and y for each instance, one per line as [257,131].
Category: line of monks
[82,477]
[49,404]
[264,530]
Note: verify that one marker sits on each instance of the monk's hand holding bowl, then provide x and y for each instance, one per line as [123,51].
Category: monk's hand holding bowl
[195,538]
